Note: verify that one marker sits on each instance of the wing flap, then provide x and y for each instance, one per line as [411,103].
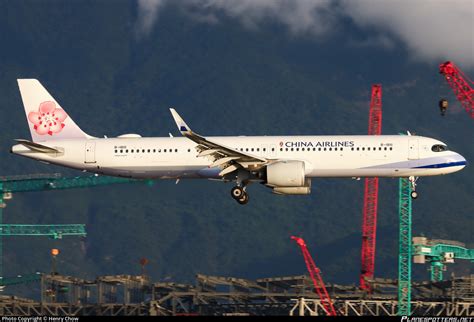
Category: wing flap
[228,170]
[222,161]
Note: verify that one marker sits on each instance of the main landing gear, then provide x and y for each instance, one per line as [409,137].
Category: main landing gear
[413,181]
[239,194]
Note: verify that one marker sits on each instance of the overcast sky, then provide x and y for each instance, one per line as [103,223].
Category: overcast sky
[432,30]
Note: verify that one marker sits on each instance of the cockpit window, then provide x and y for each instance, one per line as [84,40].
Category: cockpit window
[439,148]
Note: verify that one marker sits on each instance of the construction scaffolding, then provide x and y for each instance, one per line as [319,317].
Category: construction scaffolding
[215,295]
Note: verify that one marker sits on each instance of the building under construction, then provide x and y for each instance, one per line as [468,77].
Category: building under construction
[213,295]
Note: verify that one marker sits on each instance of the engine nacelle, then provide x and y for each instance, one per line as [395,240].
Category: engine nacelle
[286,174]
[292,190]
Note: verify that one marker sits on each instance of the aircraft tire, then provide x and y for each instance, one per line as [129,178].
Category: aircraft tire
[237,192]
[244,199]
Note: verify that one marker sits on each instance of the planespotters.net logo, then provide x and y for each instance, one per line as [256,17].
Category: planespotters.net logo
[436,319]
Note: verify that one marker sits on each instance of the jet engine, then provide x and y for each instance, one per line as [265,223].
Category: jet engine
[288,177]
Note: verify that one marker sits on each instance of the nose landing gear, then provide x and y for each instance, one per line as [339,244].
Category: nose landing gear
[240,195]
[413,181]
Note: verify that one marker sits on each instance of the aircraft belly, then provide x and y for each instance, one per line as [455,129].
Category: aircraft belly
[158,172]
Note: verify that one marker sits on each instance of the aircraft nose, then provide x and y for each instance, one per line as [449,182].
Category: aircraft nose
[460,161]
[463,161]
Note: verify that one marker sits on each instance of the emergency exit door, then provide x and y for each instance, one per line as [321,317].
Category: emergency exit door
[90,152]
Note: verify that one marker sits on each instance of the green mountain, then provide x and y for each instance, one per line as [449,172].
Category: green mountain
[225,80]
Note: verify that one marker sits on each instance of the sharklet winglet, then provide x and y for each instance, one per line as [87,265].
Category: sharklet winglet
[180,123]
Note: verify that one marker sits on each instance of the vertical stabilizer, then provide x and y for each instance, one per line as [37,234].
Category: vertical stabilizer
[47,120]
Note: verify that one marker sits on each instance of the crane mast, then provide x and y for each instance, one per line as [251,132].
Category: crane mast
[461,85]
[369,220]
[314,272]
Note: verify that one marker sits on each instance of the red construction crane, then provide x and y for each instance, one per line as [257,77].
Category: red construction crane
[461,85]
[369,221]
[314,272]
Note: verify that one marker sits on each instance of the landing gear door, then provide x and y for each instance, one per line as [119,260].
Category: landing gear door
[413,149]
[90,152]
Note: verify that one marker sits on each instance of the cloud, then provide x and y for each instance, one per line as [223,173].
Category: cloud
[432,30]
[147,15]
[300,16]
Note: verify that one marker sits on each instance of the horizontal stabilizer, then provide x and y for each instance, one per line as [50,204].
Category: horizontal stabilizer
[37,147]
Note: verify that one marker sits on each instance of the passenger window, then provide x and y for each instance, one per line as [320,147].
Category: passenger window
[391,149]
[352,149]
[175,150]
[258,149]
[273,149]
[330,149]
[189,150]
[297,149]
[115,151]
[126,151]
[439,148]
[286,149]
[324,149]
[154,150]
[357,149]
[121,151]
[164,150]
[314,149]
[380,149]
[319,149]
[385,149]
[292,149]
[281,149]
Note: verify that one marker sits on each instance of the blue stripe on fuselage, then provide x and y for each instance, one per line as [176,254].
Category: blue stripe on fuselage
[442,165]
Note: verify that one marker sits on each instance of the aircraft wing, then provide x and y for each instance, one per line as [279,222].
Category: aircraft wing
[228,159]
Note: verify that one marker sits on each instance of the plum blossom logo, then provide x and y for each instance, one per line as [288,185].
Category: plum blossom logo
[48,119]
[281,143]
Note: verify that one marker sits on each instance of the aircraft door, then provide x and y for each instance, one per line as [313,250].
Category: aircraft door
[90,152]
[413,149]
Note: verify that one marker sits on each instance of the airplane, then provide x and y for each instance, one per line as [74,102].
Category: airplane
[285,164]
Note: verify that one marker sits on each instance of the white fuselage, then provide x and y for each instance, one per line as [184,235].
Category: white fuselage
[323,156]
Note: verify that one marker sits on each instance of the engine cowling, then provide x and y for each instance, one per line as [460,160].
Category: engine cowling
[293,190]
[286,174]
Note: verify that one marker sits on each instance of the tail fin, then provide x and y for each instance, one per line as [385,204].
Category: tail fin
[46,118]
